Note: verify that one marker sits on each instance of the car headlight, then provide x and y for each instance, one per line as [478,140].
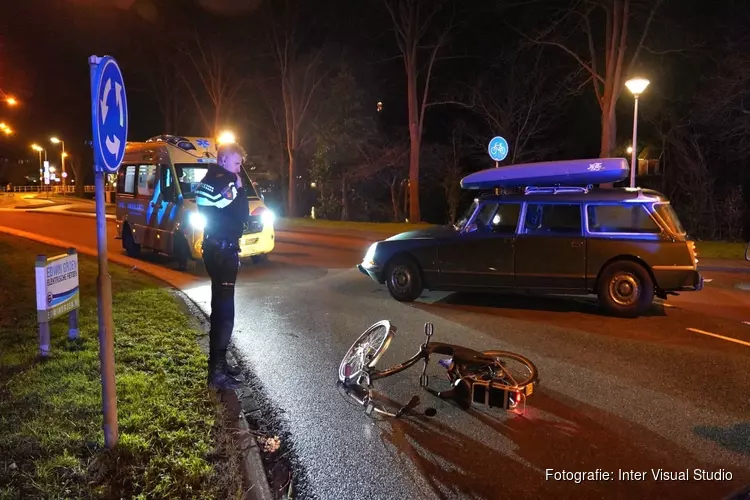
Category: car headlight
[370,255]
[267,217]
[197,220]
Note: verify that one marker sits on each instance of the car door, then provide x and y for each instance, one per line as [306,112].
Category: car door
[146,176]
[481,255]
[164,209]
[550,248]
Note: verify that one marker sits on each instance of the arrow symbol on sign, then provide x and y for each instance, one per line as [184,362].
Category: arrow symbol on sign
[118,97]
[113,145]
[105,108]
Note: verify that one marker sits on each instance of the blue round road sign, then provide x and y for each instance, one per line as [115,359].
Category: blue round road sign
[109,115]
[498,148]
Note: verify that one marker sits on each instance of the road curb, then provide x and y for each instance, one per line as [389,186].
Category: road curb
[253,471]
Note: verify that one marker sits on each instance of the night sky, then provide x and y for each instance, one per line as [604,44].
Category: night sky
[44,46]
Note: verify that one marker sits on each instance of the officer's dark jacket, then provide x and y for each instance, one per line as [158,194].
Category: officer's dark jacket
[223,204]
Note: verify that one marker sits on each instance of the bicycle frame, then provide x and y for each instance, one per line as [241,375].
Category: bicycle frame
[463,391]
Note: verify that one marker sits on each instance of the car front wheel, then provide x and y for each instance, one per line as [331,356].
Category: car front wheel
[625,289]
[403,279]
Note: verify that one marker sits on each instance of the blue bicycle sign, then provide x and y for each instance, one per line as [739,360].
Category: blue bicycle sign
[498,148]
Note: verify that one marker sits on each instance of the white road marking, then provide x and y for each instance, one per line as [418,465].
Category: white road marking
[730,339]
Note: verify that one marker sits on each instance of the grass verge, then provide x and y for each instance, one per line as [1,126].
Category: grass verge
[720,250]
[379,227]
[174,440]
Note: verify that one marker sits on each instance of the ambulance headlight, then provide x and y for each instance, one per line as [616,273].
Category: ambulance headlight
[267,217]
[198,221]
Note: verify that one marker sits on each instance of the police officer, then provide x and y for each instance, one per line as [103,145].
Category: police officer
[222,200]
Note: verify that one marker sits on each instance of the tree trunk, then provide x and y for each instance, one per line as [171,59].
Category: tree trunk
[415,139]
[344,200]
[292,192]
[609,134]
[406,199]
[395,196]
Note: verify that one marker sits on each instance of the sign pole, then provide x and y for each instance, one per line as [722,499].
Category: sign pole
[498,150]
[106,323]
[109,127]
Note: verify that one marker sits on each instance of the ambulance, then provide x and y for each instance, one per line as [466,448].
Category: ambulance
[155,201]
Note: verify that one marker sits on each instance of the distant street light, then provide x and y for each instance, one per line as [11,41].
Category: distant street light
[226,137]
[11,101]
[636,86]
[630,149]
[39,150]
[5,128]
[55,140]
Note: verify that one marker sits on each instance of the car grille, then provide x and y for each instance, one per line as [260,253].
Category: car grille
[253,225]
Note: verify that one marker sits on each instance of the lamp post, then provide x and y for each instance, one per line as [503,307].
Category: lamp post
[39,150]
[636,86]
[55,140]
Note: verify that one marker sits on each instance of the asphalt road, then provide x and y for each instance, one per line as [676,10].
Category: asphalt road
[615,394]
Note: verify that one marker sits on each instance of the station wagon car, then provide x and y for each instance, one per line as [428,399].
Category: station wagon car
[625,245]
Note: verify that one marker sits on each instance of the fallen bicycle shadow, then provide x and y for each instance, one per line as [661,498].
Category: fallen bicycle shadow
[556,433]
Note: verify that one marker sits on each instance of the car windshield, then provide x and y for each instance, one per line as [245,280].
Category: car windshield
[668,215]
[464,219]
[190,176]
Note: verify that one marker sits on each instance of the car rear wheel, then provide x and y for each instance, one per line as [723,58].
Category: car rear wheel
[625,289]
[132,248]
[403,279]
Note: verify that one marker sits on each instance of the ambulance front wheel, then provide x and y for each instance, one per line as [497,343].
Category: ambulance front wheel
[132,248]
[185,261]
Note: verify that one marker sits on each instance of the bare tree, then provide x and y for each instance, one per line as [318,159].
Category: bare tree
[219,76]
[301,75]
[607,64]
[518,97]
[412,23]
[168,90]
[447,168]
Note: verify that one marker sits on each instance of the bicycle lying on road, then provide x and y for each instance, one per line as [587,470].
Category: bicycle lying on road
[487,377]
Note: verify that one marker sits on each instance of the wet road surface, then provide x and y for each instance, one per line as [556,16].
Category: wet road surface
[615,394]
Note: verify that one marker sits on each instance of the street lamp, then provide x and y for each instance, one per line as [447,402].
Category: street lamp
[39,150]
[11,101]
[55,140]
[226,137]
[636,86]
[5,128]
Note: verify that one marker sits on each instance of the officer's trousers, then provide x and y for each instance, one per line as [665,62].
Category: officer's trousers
[222,262]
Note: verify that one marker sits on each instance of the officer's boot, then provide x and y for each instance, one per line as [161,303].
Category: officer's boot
[218,378]
[233,370]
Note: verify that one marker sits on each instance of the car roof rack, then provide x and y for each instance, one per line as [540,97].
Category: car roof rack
[557,189]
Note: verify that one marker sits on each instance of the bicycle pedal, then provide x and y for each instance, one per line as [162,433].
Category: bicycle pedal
[424,380]
[369,409]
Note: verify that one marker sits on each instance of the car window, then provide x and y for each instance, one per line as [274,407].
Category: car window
[668,215]
[168,189]
[554,218]
[631,218]
[486,212]
[505,219]
[146,180]
[126,180]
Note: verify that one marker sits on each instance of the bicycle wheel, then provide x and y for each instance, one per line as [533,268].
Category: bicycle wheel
[366,351]
[510,371]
